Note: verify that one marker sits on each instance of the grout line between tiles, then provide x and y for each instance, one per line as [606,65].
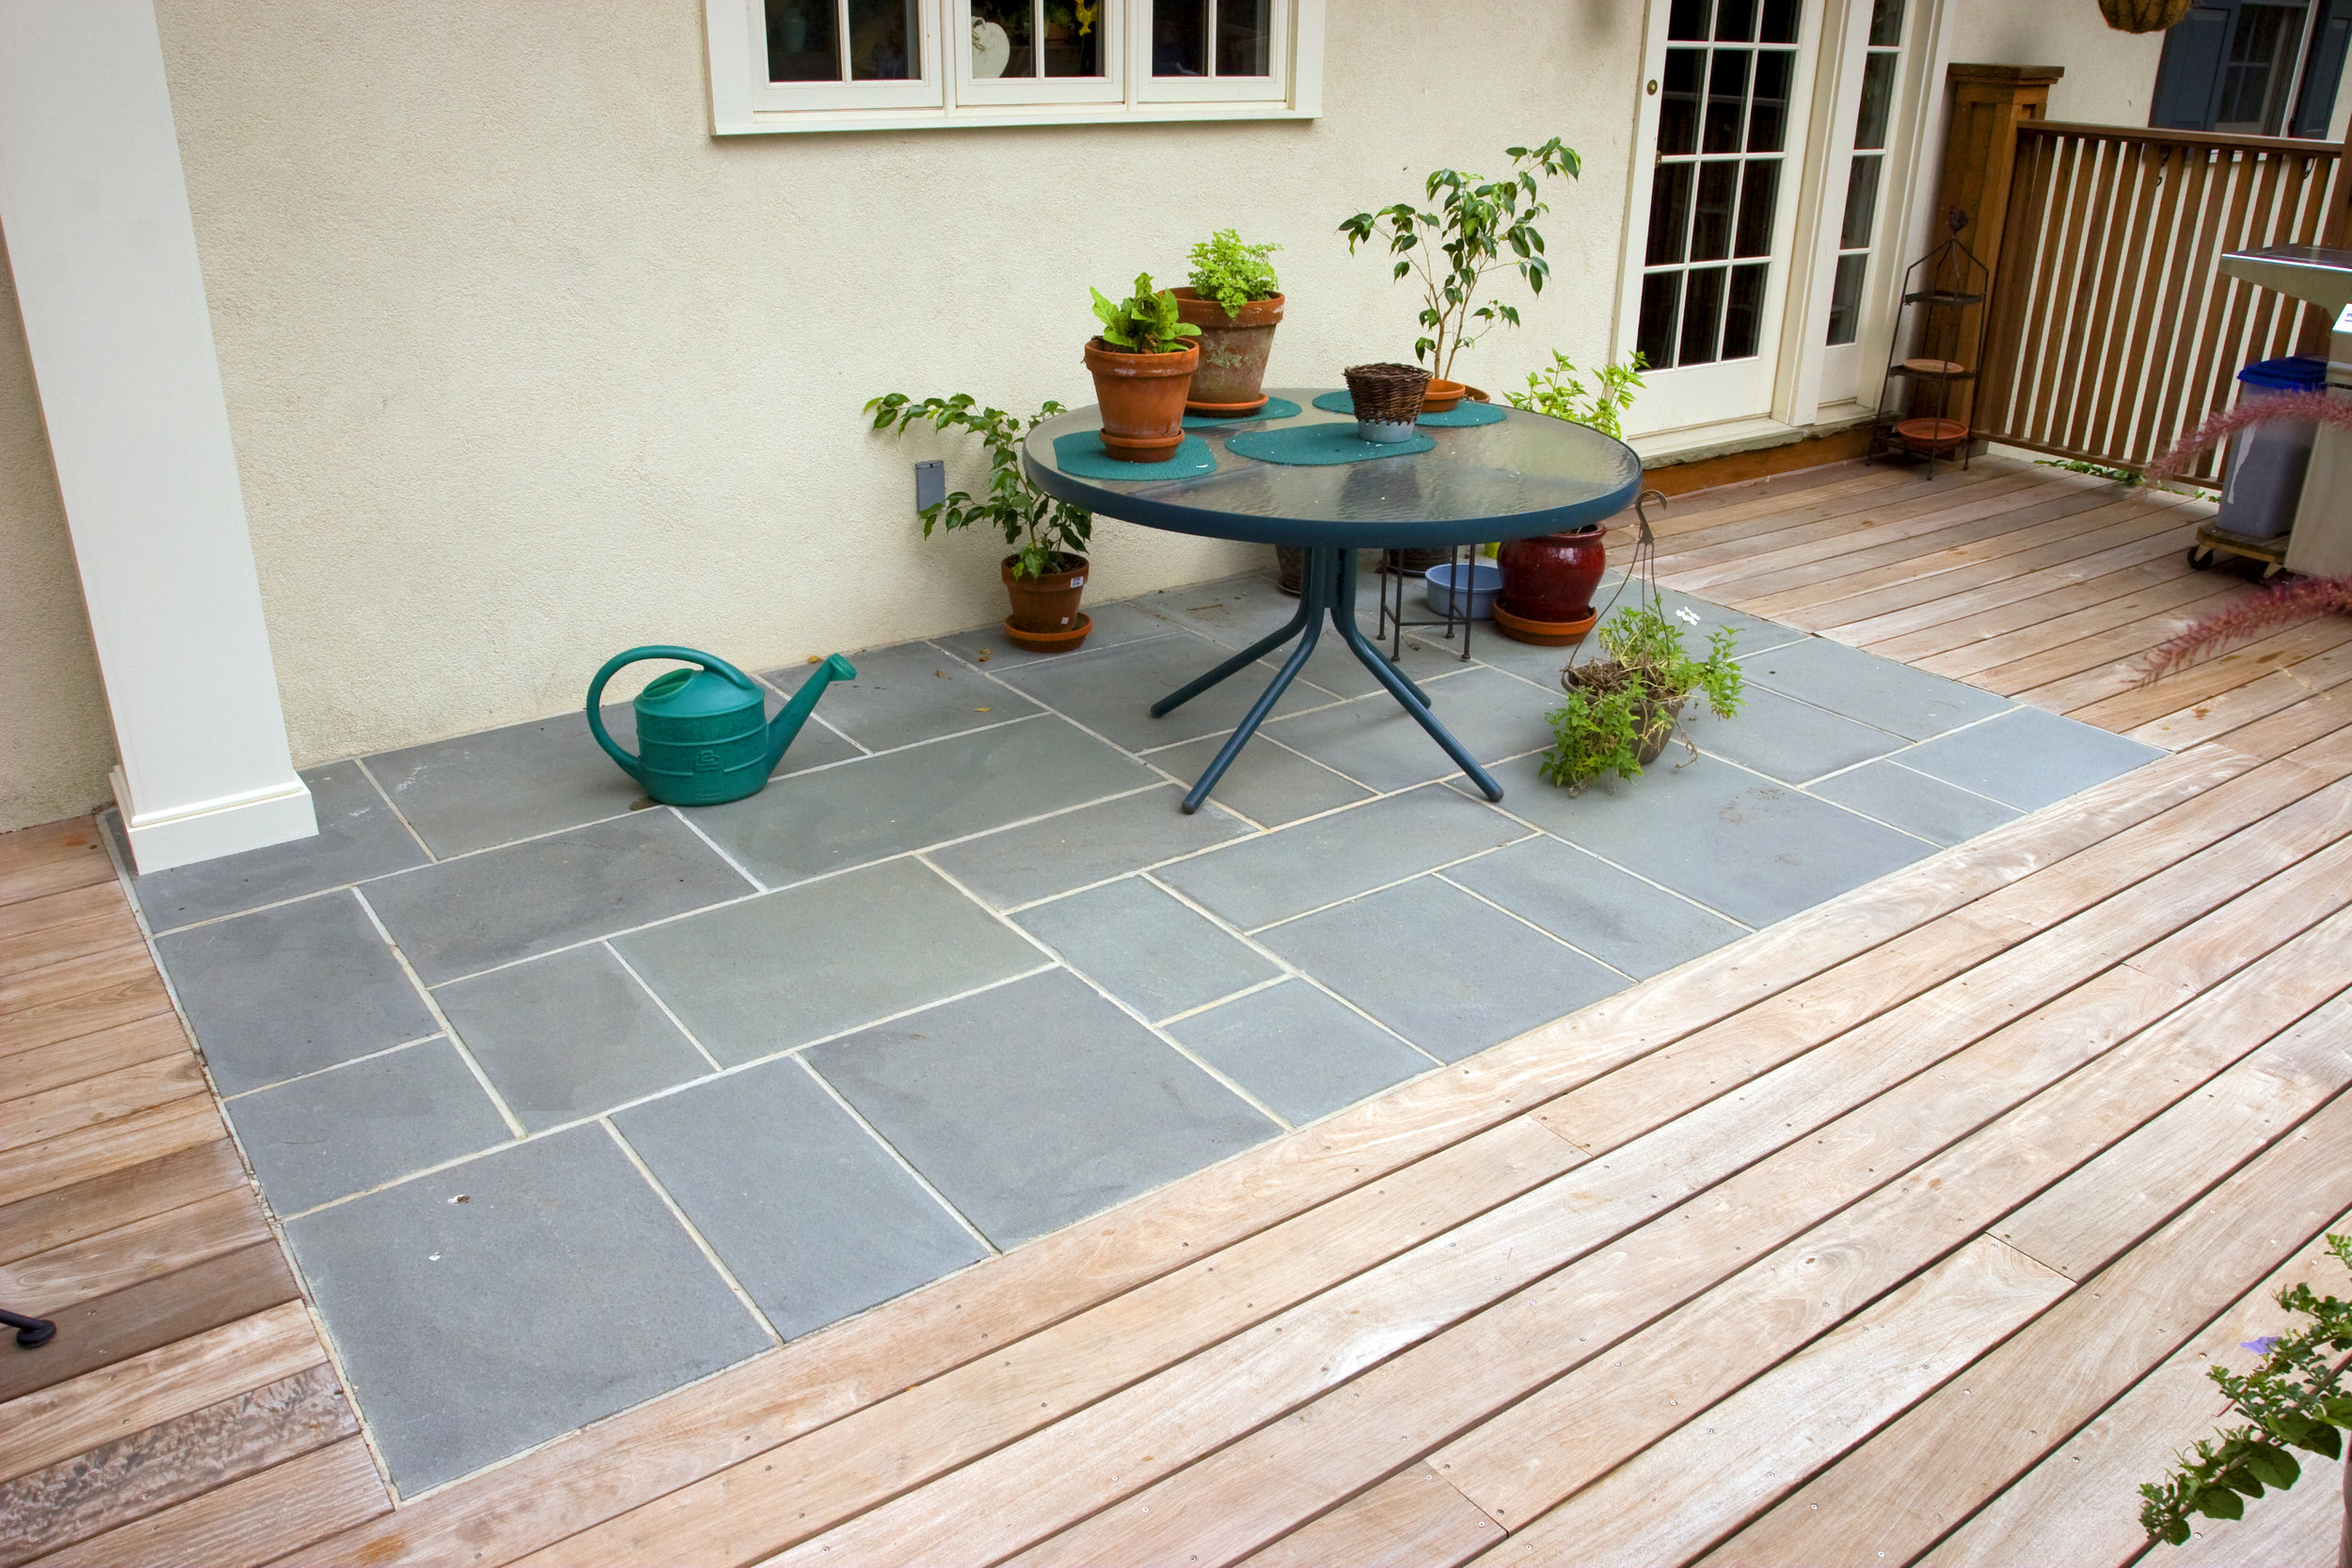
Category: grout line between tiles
[433,1006]
[1395,881]
[825,1083]
[676,1022]
[394,806]
[740,868]
[1214,1002]
[693,1231]
[1499,909]
[322,1072]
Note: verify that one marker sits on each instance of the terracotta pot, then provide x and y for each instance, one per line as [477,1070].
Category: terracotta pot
[1234,350]
[1656,720]
[1442,395]
[1552,577]
[1289,568]
[1142,397]
[1046,606]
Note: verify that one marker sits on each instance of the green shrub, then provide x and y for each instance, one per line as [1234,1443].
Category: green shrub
[1145,322]
[1559,391]
[1232,273]
[1048,533]
[1624,703]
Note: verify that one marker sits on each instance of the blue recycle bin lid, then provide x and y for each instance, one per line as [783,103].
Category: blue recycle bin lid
[2297,373]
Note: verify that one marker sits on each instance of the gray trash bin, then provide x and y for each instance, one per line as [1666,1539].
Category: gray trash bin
[2263,482]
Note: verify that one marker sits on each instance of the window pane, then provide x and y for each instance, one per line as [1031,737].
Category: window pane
[1760,189]
[1679,110]
[1735,21]
[1768,118]
[1886,23]
[1179,38]
[1702,313]
[1073,38]
[1726,90]
[1000,39]
[1780,21]
[1243,37]
[1878,99]
[1669,214]
[802,41]
[1710,235]
[1743,318]
[1688,21]
[2260,47]
[1655,336]
[884,40]
[1845,300]
[1862,203]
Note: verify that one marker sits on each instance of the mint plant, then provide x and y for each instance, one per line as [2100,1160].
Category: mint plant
[1049,535]
[1558,391]
[1145,322]
[1623,705]
[1232,273]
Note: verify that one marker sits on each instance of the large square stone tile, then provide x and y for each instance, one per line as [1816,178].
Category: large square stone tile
[1615,916]
[1450,974]
[1145,947]
[1903,797]
[568,1036]
[290,989]
[1279,874]
[358,837]
[560,1291]
[1910,703]
[2027,758]
[1375,742]
[1334,667]
[1732,840]
[466,915]
[813,1217]
[989,648]
[781,969]
[1784,739]
[1038,860]
[1754,633]
[363,1124]
[1268,783]
[1111,693]
[1235,611]
[1037,1103]
[1298,1051]
[880,807]
[908,692]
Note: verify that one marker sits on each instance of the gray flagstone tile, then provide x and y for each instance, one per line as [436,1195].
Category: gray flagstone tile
[1298,1051]
[1615,916]
[989,648]
[1019,866]
[1784,739]
[1111,693]
[1910,703]
[1903,797]
[2029,758]
[1376,742]
[907,693]
[1267,784]
[1145,947]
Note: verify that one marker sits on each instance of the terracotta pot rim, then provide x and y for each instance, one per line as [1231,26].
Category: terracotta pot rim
[1437,399]
[1554,634]
[1064,640]
[1100,355]
[1007,565]
[1228,410]
[1255,313]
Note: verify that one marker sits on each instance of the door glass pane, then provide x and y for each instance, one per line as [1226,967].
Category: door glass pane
[1679,109]
[1862,202]
[1759,190]
[1661,293]
[1726,95]
[1743,316]
[1845,300]
[884,40]
[803,41]
[1710,230]
[1001,39]
[1878,99]
[1179,38]
[1244,37]
[1702,314]
[1669,214]
[1779,22]
[1735,21]
[1874,113]
[1886,23]
[1768,114]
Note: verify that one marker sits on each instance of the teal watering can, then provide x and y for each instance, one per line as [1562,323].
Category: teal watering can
[701,739]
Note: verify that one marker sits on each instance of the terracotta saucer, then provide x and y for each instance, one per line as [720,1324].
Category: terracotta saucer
[1544,634]
[1228,410]
[1062,642]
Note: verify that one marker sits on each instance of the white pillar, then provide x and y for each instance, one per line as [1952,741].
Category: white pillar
[96,213]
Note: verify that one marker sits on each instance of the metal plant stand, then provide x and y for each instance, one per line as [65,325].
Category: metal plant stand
[1939,289]
[1393,623]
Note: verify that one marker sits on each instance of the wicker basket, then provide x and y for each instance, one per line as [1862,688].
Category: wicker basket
[1386,394]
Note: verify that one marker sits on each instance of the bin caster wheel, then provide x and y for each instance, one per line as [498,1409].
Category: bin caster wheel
[2200,559]
[2272,571]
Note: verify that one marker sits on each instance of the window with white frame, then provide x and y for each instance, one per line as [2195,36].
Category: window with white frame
[835,65]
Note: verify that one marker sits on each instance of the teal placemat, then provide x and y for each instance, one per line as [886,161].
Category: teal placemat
[1321,443]
[1460,417]
[1081,453]
[1275,409]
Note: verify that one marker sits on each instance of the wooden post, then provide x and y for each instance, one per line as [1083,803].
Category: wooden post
[2335,233]
[1979,156]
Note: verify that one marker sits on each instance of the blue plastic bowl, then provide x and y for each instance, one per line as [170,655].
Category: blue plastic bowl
[1485,581]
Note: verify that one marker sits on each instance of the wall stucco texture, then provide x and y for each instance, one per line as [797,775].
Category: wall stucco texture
[525,367]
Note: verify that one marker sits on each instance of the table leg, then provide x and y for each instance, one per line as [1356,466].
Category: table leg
[1312,595]
[1408,695]
[1318,591]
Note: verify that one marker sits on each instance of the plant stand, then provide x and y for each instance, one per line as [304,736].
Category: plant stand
[1392,623]
[1939,290]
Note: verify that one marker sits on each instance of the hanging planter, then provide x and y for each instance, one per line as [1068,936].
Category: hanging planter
[2143,16]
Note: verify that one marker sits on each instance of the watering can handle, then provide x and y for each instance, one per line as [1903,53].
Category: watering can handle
[618,661]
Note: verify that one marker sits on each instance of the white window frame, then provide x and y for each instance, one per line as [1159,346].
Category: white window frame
[744,101]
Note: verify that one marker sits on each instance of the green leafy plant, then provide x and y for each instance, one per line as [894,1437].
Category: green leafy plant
[1558,391]
[1232,273]
[1049,535]
[2128,478]
[1145,322]
[1627,704]
[1464,236]
[2292,1398]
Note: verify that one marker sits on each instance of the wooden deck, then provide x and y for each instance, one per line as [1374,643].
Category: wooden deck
[1901,1232]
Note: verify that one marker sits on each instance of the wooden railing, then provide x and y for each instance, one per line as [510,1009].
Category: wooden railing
[2110,332]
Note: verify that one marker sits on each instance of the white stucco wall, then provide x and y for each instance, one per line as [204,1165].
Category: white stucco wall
[56,742]
[524,367]
[2111,77]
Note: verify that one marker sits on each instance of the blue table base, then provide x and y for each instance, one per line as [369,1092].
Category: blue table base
[1326,587]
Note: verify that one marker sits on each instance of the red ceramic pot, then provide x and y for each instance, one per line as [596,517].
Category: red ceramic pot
[1552,577]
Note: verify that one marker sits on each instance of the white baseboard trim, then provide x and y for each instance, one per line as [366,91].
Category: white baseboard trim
[181,835]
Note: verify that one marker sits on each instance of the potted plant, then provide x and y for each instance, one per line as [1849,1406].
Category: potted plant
[1622,709]
[1547,583]
[1237,302]
[1453,247]
[1045,576]
[2294,1398]
[1142,362]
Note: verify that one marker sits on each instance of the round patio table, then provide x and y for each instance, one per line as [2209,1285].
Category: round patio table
[1527,474]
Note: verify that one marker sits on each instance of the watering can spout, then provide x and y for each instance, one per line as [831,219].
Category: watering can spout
[786,725]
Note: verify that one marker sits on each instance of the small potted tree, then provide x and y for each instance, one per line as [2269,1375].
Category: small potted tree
[1454,244]
[1237,302]
[1143,362]
[1046,574]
